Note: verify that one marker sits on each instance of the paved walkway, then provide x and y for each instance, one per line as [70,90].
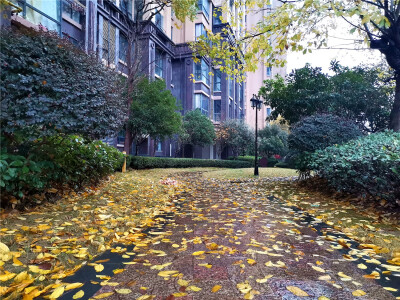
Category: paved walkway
[228,241]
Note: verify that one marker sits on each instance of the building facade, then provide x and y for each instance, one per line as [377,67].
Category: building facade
[102,27]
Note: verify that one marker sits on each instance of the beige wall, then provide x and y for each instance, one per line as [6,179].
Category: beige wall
[255,79]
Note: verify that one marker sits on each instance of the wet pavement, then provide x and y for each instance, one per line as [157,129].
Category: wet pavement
[233,240]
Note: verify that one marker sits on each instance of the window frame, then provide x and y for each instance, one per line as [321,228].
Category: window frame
[203,69]
[204,9]
[158,63]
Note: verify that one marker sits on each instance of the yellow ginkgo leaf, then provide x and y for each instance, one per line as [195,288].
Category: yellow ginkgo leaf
[57,292]
[117,271]
[265,279]
[297,291]
[319,269]
[323,298]
[193,288]
[362,266]
[4,248]
[251,262]
[98,267]
[179,294]
[198,253]
[146,297]
[73,286]
[166,273]
[123,291]
[390,289]
[216,288]
[358,293]
[183,282]
[7,276]
[103,295]
[208,266]
[78,295]
[324,277]
[21,277]
[16,262]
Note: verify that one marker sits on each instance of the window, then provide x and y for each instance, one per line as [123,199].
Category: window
[230,108]
[109,32]
[241,96]
[74,10]
[159,146]
[139,8]
[217,110]
[217,81]
[126,7]
[121,137]
[200,30]
[201,71]
[269,71]
[123,48]
[202,103]
[231,87]
[159,63]
[204,6]
[159,20]
[268,111]
[44,13]
[217,16]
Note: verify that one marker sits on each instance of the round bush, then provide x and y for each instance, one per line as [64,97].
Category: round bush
[320,131]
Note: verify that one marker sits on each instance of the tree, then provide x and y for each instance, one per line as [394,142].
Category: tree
[360,94]
[273,140]
[299,25]
[136,25]
[48,86]
[197,129]
[234,134]
[153,112]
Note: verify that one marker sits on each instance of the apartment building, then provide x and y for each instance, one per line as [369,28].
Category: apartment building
[255,79]
[100,26]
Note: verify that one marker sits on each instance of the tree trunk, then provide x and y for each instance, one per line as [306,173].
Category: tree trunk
[394,122]
[136,149]
[128,141]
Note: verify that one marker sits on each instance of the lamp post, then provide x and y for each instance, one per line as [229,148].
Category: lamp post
[256,104]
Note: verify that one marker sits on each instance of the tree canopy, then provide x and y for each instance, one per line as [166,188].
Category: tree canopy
[48,86]
[360,94]
[298,25]
[234,134]
[197,129]
[153,112]
[273,140]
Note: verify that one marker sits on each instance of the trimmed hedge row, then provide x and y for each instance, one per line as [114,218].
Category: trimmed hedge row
[141,162]
[369,166]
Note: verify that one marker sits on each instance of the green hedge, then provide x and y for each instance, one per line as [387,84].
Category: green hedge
[369,166]
[54,163]
[141,162]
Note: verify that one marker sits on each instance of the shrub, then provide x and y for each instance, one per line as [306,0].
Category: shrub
[369,166]
[55,162]
[320,131]
[140,162]
[49,86]
[282,165]
[247,158]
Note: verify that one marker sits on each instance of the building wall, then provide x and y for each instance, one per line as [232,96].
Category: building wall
[255,79]
[101,27]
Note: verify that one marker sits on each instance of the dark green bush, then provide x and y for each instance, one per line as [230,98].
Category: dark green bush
[247,158]
[369,166]
[318,132]
[141,162]
[321,131]
[54,162]
[272,161]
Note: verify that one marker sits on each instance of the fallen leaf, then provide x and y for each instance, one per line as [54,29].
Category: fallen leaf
[358,293]
[103,295]
[216,288]
[123,291]
[297,291]
[73,286]
[193,288]
[99,267]
[57,292]
[78,295]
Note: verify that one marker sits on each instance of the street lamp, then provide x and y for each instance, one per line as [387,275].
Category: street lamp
[256,104]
